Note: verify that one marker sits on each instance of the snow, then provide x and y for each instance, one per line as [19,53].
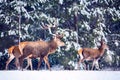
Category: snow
[87,26]
[59,75]
[11,32]
[43,1]
[0,54]
[57,68]
[1,1]
[2,34]
[60,1]
[116,43]
[68,46]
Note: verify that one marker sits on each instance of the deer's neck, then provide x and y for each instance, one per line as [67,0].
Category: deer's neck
[102,50]
[52,46]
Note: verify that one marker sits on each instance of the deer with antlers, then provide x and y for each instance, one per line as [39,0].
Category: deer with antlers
[36,49]
[39,49]
[92,54]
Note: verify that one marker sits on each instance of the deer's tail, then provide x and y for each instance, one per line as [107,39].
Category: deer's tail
[10,50]
[80,51]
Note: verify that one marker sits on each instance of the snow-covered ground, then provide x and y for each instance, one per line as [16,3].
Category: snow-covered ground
[59,75]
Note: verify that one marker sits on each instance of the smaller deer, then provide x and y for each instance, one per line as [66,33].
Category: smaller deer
[92,54]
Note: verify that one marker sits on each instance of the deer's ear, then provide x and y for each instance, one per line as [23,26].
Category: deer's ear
[59,35]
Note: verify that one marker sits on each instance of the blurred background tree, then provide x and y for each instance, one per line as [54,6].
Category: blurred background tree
[83,23]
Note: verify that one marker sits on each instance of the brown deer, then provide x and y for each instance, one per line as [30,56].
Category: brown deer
[37,49]
[10,52]
[17,54]
[92,54]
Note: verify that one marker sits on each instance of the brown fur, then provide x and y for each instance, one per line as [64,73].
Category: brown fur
[92,54]
[10,52]
[16,50]
[11,49]
[39,49]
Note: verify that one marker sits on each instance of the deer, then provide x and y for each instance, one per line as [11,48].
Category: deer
[90,54]
[37,49]
[10,52]
[16,49]
[21,51]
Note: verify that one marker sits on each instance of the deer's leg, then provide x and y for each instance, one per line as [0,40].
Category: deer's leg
[30,60]
[17,63]
[81,60]
[46,61]
[97,65]
[39,62]
[29,63]
[9,60]
[94,62]
[21,59]
[85,67]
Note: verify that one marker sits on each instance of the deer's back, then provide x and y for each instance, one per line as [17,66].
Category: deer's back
[91,53]
[36,49]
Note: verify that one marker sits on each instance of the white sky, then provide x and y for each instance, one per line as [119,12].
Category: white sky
[59,75]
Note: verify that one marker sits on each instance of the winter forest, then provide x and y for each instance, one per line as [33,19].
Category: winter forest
[81,22]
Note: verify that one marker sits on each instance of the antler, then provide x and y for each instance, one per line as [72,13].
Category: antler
[51,24]
[102,40]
